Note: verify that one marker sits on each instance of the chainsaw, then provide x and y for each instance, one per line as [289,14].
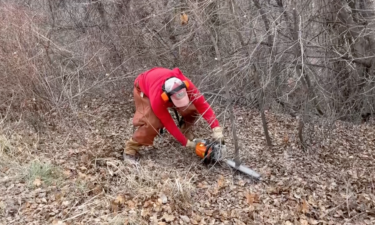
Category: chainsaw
[214,151]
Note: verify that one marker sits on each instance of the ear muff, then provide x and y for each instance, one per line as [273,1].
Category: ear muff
[186,84]
[166,96]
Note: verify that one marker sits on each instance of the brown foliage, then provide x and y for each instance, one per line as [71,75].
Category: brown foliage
[22,86]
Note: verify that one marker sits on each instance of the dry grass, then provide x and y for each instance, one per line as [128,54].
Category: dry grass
[16,149]
[145,183]
[151,179]
[5,146]
[47,173]
[9,161]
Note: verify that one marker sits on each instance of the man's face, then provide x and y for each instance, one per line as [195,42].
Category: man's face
[181,98]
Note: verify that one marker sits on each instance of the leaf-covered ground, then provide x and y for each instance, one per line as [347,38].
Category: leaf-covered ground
[72,173]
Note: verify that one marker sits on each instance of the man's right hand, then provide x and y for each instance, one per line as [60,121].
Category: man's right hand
[191,144]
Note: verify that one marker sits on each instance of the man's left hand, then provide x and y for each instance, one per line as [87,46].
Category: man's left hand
[217,133]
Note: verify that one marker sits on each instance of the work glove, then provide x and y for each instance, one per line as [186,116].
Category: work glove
[190,144]
[217,133]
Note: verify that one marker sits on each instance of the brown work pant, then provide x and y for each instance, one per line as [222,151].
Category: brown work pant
[148,125]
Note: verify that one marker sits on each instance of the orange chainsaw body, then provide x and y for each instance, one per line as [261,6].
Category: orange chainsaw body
[200,149]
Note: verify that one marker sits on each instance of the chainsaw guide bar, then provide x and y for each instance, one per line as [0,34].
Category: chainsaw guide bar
[243,169]
[213,151]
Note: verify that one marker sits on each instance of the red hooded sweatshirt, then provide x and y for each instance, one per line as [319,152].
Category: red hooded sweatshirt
[151,82]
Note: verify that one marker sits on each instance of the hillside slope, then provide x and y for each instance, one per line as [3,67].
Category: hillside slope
[72,173]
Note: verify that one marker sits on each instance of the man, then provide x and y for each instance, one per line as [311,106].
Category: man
[155,91]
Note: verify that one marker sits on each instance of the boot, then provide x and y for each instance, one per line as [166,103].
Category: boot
[131,150]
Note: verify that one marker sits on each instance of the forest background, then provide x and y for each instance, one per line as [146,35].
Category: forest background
[291,81]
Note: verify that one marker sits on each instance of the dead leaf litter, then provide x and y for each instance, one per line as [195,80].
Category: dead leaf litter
[332,183]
